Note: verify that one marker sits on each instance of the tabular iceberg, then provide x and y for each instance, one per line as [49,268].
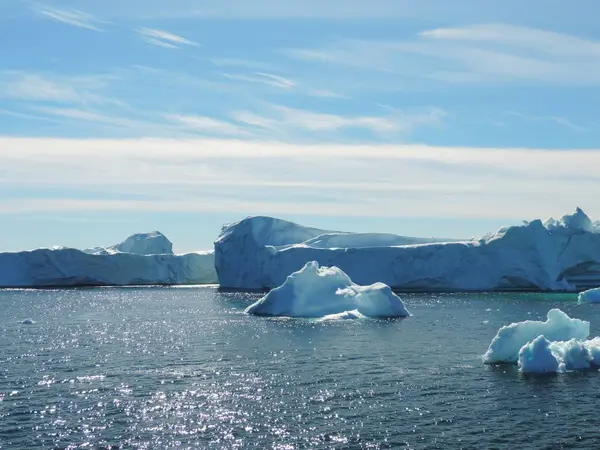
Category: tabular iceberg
[557,345]
[329,293]
[141,259]
[589,296]
[259,253]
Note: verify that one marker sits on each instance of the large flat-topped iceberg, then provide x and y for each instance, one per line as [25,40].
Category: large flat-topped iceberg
[327,292]
[564,254]
[133,262]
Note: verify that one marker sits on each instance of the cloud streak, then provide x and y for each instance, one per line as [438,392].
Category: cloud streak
[73,17]
[485,53]
[164,39]
[40,87]
[264,78]
[286,121]
[237,176]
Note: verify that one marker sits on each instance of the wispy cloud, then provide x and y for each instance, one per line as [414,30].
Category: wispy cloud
[244,63]
[164,38]
[264,78]
[89,116]
[488,53]
[208,125]
[291,121]
[30,86]
[549,119]
[234,176]
[72,17]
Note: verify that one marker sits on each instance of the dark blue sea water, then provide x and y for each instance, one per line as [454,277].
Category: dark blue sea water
[160,368]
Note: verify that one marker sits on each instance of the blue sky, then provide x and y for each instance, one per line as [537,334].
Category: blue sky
[420,117]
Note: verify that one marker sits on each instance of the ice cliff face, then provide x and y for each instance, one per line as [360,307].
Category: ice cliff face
[260,252]
[141,259]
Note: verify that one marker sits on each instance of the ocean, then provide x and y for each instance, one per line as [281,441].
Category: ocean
[184,367]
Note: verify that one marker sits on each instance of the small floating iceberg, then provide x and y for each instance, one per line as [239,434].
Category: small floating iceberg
[511,338]
[589,296]
[558,344]
[328,293]
[543,356]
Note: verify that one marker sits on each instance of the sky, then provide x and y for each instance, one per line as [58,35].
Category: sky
[415,117]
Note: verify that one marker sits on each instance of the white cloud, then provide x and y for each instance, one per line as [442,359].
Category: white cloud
[264,78]
[238,62]
[37,87]
[208,125]
[72,17]
[164,38]
[354,180]
[487,53]
[549,119]
[521,37]
[287,121]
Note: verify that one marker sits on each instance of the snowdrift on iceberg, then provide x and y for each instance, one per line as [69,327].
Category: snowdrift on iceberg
[589,296]
[329,293]
[564,254]
[557,345]
[128,263]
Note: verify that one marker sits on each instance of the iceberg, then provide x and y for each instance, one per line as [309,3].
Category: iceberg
[328,293]
[589,296]
[510,339]
[544,356]
[556,345]
[258,253]
[142,259]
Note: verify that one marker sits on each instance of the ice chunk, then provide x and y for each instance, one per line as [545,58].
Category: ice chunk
[589,296]
[536,356]
[509,340]
[354,314]
[315,291]
[543,356]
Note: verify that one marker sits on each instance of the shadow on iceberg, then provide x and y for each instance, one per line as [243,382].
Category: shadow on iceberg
[329,294]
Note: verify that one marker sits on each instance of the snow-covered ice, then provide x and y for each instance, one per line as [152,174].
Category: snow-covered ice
[589,296]
[131,262]
[511,338]
[327,292]
[260,252]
